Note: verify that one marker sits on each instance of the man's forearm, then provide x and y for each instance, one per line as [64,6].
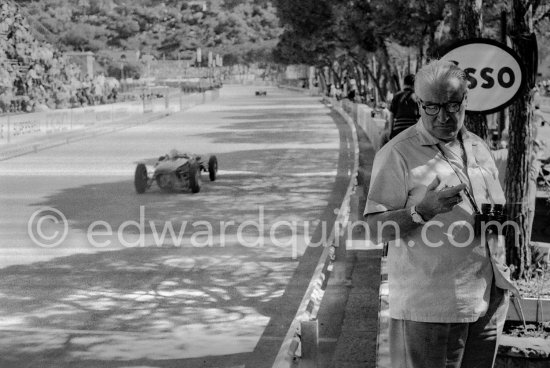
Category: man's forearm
[390,225]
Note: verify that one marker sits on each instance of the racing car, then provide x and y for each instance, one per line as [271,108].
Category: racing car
[176,171]
[261,93]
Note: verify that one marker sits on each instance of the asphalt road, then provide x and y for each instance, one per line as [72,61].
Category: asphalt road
[94,275]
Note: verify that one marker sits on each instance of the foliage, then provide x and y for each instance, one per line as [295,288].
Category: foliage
[536,284]
[518,329]
[35,76]
[170,29]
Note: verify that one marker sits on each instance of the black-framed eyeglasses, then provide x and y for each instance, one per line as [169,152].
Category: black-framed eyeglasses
[433,108]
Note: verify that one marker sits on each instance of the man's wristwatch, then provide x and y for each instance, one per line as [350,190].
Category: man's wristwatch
[416,217]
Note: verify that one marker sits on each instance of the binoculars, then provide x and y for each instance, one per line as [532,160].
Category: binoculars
[492,217]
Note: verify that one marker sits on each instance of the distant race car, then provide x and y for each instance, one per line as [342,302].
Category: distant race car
[261,93]
[176,171]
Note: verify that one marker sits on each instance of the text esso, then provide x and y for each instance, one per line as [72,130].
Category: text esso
[493,72]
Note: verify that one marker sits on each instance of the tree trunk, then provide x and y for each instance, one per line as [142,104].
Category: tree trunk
[358,80]
[477,124]
[373,76]
[469,18]
[518,253]
[469,26]
[386,71]
[322,81]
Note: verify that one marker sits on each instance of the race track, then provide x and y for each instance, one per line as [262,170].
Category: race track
[170,279]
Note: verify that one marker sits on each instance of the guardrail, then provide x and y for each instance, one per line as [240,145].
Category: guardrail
[31,132]
[364,117]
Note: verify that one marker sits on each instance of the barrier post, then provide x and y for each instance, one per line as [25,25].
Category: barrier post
[143,99]
[310,343]
[9,129]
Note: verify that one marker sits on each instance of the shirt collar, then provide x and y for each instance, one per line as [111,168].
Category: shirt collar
[426,139]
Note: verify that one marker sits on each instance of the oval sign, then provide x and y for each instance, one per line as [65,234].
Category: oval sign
[494,71]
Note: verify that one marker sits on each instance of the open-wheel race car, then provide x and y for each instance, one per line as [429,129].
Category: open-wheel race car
[261,92]
[176,171]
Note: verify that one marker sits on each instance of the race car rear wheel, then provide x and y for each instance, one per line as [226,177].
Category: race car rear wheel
[195,178]
[212,167]
[140,178]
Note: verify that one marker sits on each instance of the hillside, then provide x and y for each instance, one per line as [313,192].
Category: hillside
[32,73]
[239,30]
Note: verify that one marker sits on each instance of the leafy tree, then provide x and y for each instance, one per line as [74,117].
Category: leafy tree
[80,37]
[170,28]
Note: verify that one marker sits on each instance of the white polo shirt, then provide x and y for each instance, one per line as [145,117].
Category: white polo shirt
[439,272]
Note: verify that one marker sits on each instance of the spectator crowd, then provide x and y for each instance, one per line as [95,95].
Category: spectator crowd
[34,76]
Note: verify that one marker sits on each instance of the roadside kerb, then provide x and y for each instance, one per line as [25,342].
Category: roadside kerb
[373,128]
[383,337]
[290,350]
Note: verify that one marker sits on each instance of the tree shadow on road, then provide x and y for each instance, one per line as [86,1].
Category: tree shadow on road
[295,186]
[140,303]
[288,128]
[165,305]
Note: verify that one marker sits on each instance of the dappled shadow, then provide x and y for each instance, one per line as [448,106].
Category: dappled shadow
[162,304]
[256,116]
[141,303]
[274,124]
[182,306]
[277,100]
[287,128]
[279,184]
[272,137]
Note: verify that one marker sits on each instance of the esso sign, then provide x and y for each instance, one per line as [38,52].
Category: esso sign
[494,72]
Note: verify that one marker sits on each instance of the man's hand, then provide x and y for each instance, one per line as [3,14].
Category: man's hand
[439,201]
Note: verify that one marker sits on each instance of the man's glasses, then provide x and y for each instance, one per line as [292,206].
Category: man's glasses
[433,109]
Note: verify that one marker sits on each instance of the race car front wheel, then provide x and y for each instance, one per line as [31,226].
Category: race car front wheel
[212,167]
[195,178]
[140,178]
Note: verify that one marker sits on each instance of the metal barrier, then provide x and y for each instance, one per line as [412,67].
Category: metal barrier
[30,132]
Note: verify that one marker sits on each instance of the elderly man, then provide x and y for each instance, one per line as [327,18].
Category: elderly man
[447,283]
